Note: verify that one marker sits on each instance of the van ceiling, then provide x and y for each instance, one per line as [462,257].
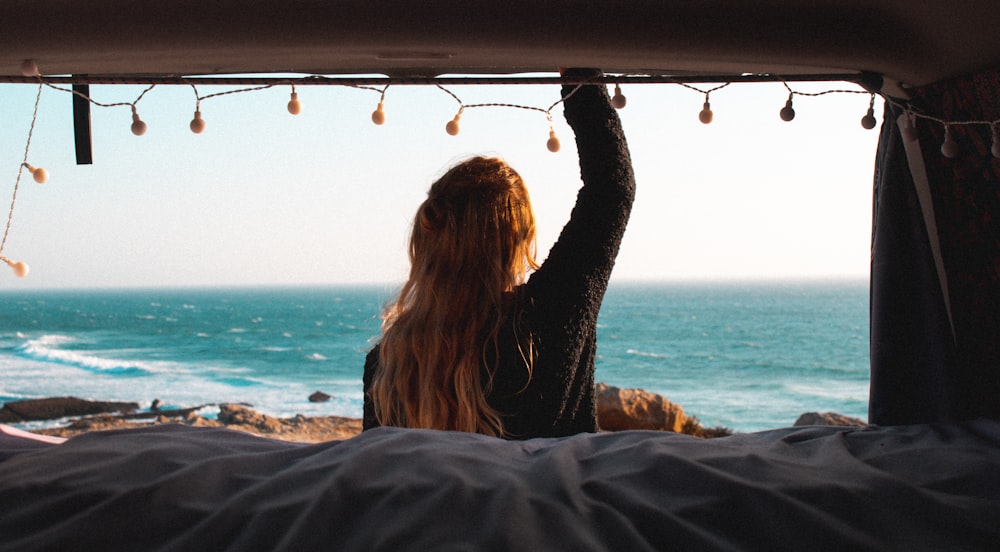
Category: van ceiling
[909,42]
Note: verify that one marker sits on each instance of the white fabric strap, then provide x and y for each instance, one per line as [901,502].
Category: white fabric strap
[915,158]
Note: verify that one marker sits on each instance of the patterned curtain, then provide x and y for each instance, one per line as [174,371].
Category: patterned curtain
[935,280]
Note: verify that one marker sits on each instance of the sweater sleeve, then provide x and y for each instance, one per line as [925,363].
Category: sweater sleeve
[575,274]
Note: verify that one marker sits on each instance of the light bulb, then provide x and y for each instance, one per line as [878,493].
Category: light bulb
[949,148]
[868,122]
[618,101]
[453,127]
[39,174]
[29,68]
[138,126]
[705,115]
[20,268]
[197,123]
[294,105]
[378,116]
[787,113]
[553,142]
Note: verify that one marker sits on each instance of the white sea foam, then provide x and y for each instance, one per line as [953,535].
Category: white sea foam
[646,354]
[835,390]
[47,348]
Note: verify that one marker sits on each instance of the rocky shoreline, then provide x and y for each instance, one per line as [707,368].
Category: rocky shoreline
[618,409]
[85,416]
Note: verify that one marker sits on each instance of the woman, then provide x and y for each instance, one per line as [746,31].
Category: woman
[469,345]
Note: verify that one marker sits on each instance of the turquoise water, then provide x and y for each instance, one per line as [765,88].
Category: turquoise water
[749,356]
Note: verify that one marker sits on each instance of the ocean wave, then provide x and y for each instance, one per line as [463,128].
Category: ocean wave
[831,390]
[316,356]
[239,382]
[47,349]
[645,354]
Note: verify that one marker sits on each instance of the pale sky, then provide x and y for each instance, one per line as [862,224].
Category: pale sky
[263,197]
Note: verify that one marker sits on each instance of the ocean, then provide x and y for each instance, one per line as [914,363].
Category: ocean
[749,356]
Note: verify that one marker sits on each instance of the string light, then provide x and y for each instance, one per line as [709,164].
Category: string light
[453,128]
[706,115]
[553,144]
[949,148]
[378,116]
[787,113]
[20,268]
[618,101]
[29,68]
[138,126]
[868,122]
[197,124]
[39,174]
[294,105]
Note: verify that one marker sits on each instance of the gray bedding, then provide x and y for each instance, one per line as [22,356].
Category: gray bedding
[926,487]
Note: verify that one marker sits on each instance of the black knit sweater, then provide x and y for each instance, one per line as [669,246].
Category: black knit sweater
[560,300]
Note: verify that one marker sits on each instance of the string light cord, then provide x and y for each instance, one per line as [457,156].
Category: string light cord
[138,126]
[910,110]
[20,269]
[822,92]
[516,106]
[197,124]
[552,144]
[949,148]
[380,86]
[95,102]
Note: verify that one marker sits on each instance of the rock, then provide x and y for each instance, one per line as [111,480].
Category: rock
[198,421]
[319,396]
[169,413]
[622,409]
[59,407]
[92,423]
[827,419]
[236,415]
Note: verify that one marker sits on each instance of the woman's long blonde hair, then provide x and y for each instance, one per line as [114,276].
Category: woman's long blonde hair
[473,241]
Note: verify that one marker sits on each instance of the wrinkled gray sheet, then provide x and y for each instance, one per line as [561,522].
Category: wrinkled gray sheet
[926,487]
